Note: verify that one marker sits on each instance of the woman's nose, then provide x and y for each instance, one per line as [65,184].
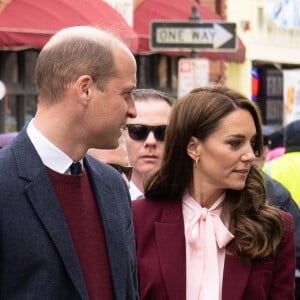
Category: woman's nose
[248,155]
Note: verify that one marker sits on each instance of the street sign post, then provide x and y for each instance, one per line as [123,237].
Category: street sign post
[206,36]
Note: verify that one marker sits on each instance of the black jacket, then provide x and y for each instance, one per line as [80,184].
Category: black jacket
[280,197]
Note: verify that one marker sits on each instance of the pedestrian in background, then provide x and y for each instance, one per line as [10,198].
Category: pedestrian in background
[65,218]
[145,134]
[205,229]
[275,143]
[286,168]
[280,197]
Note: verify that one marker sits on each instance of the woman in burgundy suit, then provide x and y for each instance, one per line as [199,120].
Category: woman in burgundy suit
[205,230]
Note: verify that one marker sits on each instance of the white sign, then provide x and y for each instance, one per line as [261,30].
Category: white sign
[124,8]
[216,35]
[211,36]
[291,95]
[192,73]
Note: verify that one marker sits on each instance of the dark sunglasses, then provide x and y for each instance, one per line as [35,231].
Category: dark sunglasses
[121,169]
[139,132]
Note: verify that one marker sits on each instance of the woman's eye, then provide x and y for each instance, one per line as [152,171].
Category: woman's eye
[234,144]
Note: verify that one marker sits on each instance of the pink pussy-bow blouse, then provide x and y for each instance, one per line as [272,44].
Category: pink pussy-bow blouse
[206,238]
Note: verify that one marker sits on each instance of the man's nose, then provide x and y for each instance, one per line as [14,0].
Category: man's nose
[150,139]
[131,112]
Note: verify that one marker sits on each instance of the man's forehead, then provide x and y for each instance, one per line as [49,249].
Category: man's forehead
[151,113]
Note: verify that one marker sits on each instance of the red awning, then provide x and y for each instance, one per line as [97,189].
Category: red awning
[30,23]
[174,10]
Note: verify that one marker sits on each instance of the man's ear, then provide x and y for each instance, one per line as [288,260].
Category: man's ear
[84,86]
[194,148]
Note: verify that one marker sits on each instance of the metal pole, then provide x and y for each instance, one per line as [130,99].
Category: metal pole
[195,17]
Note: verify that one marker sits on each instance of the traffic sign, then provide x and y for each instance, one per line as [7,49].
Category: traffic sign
[212,36]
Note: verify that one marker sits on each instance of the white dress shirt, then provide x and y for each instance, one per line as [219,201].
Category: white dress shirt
[51,156]
[134,191]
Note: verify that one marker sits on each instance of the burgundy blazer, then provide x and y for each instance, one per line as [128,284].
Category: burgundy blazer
[160,245]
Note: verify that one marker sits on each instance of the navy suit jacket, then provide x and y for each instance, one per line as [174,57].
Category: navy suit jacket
[160,241]
[37,255]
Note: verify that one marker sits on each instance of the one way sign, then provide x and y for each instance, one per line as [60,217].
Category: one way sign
[213,36]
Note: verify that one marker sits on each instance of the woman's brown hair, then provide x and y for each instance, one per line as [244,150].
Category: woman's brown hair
[257,227]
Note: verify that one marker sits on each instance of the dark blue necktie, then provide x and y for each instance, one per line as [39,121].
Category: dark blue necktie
[75,168]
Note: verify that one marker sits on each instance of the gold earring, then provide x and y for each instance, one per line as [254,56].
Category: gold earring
[196,163]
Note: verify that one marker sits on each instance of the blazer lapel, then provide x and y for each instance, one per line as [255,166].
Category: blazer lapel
[45,204]
[235,277]
[114,233]
[172,255]
[171,250]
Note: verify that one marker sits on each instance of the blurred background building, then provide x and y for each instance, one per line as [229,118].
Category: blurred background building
[270,30]
[267,32]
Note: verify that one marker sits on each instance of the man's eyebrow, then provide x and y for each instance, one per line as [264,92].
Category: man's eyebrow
[128,89]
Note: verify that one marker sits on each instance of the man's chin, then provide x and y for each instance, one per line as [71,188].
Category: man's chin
[149,170]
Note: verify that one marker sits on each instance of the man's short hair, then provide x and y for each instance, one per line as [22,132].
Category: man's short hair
[69,55]
[146,94]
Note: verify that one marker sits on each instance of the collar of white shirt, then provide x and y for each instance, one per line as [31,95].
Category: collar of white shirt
[51,156]
[134,191]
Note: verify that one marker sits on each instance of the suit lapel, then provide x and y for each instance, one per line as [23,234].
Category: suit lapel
[114,233]
[171,250]
[235,277]
[45,204]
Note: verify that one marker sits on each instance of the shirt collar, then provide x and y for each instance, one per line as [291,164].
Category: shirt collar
[135,193]
[51,156]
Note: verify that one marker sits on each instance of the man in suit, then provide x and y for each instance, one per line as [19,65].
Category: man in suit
[65,232]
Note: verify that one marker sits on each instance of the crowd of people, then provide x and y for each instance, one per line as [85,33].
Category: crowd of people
[116,192]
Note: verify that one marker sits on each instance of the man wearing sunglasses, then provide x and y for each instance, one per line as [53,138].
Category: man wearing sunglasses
[144,136]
